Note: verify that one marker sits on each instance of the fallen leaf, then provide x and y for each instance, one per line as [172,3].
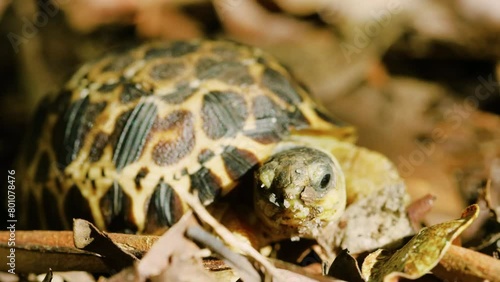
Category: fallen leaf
[370,223]
[345,267]
[420,254]
[87,237]
[238,262]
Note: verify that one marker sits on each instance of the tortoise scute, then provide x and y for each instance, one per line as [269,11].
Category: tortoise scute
[223,113]
[205,155]
[265,132]
[207,184]
[167,70]
[67,135]
[182,93]
[238,161]
[234,73]
[116,209]
[132,138]
[131,93]
[280,85]
[97,148]
[298,120]
[271,121]
[165,207]
[168,152]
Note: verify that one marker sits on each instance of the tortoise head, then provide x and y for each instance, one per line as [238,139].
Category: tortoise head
[298,191]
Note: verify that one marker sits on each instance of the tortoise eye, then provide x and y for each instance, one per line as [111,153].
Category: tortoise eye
[325,181]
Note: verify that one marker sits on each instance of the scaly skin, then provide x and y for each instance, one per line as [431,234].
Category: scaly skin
[298,191]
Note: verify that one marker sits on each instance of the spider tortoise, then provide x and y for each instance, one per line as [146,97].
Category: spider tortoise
[131,128]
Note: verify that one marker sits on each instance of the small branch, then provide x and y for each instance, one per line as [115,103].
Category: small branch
[461,264]
[62,241]
[37,251]
[39,261]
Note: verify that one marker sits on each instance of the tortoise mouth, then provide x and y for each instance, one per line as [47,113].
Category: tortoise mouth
[288,216]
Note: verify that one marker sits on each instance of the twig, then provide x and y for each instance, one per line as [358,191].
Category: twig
[62,241]
[461,264]
[39,261]
[37,251]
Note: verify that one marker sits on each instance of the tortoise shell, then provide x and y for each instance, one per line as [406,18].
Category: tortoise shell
[128,127]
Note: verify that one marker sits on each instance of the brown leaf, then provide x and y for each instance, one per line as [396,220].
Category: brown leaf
[345,267]
[420,254]
[370,223]
[169,251]
[87,237]
[172,258]
[238,262]
[229,238]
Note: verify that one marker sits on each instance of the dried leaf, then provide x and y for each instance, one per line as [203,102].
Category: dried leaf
[238,262]
[87,237]
[172,258]
[292,276]
[303,271]
[345,267]
[420,254]
[172,253]
[226,235]
[79,276]
[370,223]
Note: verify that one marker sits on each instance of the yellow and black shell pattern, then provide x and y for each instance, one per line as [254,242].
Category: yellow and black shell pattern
[128,127]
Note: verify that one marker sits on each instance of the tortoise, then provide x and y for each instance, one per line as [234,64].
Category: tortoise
[130,129]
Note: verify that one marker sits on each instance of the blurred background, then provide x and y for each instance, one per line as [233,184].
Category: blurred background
[419,79]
